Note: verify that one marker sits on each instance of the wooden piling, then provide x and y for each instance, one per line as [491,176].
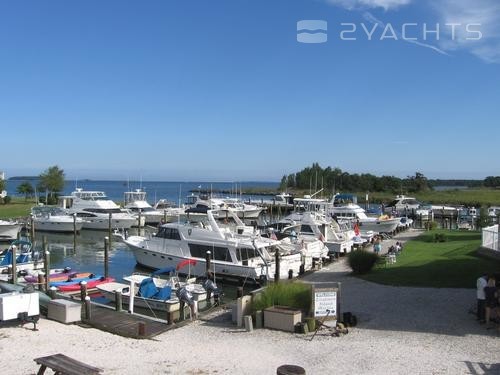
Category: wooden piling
[118,300]
[13,270]
[32,228]
[88,308]
[46,264]
[207,262]
[53,292]
[41,282]
[83,290]
[110,227]
[106,257]
[239,292]
[277,266]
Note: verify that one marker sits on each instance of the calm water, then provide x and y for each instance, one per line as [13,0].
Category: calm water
[173,191]
[88,256]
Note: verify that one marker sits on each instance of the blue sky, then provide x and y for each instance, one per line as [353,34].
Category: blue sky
[222,90]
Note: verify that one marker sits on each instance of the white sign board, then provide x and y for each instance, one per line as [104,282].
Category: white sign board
[325,303]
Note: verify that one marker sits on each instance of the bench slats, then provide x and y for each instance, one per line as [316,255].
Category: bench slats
[66,365]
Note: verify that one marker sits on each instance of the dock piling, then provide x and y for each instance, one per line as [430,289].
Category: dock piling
[41,281]
[46,264]
[106,257]
[88,308]
[109,227]
[32,227]
[83,290]
[277,265]
[53,292]
[118,300]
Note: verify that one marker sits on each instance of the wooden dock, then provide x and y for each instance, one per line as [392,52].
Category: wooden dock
[124,324]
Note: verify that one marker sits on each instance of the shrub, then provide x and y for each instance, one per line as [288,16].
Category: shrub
[440,237]
[292,294]
[430,225]
[7,199]
[362,261]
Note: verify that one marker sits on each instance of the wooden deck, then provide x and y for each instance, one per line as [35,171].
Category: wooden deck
[125,324]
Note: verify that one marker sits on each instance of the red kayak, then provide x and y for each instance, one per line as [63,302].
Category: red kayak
[90,285]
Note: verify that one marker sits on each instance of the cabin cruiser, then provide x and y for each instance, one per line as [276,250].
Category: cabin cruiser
[135,203]
[95,209]
[233,255]
[345,207]
[307,225]
[9,230]
[403,205]
[55,219]
[243,210]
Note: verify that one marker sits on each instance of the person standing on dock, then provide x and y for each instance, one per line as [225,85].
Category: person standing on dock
[186,297]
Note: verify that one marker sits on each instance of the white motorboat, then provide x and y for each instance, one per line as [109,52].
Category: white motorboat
[314,225]
[26,257]
[403,205]
[243,210]
[55,219]
[95,209]
[9,230]
[345,207]
[151,292]
[135,202]
[233,255]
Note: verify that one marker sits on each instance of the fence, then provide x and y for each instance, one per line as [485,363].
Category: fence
[491,239]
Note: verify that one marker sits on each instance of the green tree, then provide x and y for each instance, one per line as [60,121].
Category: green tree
[25,189]
[52,180]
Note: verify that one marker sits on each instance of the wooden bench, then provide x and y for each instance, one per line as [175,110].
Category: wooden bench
[65,365]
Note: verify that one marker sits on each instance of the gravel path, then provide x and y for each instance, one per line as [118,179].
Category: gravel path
[400,331]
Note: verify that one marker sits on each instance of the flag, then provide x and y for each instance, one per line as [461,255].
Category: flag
[273,236]
[356,229]
[321,237]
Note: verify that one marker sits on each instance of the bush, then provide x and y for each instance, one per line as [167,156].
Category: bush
[440,237]
[362,261]
[7,199]
[430,225]
[291,294]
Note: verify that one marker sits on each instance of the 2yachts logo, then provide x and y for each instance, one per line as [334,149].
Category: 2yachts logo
[315,31]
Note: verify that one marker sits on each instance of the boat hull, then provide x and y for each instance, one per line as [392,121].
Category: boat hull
[58,226]
[9,231]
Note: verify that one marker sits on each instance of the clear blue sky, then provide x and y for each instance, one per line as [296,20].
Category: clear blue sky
[222,90]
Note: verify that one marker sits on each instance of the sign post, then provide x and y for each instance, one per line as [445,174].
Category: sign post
[326,302]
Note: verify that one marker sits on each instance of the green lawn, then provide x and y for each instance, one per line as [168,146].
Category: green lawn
[450,264]
[17,208]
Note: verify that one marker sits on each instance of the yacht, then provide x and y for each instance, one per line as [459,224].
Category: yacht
[234,255]
[135,202]
[55,219]
[404,205]
[243,210]
[345,207]
[169,211]
[9,230]
[307,225]
[95,209]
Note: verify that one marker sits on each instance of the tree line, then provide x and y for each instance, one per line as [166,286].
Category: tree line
[334,179]
[50,182]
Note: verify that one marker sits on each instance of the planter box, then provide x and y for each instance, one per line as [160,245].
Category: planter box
[282,318]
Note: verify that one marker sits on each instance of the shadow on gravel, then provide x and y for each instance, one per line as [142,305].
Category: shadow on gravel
[479,368]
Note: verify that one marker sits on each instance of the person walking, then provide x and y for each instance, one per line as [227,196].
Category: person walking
[481,298]
[491,298]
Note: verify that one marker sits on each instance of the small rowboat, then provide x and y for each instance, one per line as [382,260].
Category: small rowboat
[91,284]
